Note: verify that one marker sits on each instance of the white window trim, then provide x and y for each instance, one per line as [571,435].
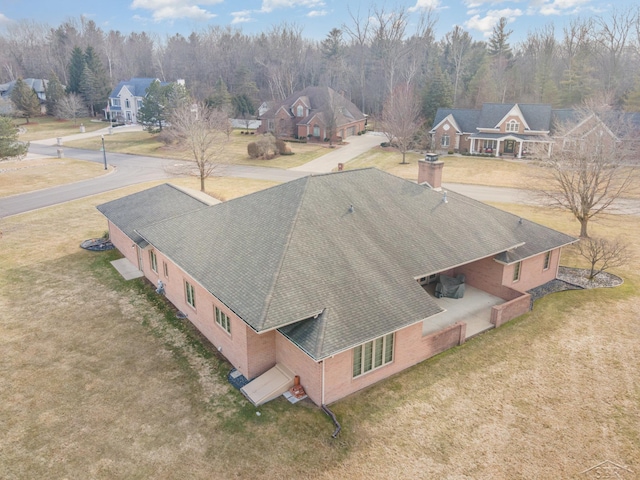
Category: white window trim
[517,271]
[512,126]
[546,263]
[153,260]
[374,343]
[222,319]
[190,294]
[442,140]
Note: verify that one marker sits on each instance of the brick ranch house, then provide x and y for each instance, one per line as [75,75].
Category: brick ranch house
[330,277]
[310,112]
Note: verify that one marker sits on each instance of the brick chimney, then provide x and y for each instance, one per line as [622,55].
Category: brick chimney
[430,171]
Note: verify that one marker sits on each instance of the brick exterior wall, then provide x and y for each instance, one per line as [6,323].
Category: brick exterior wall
[123,243]
[301,364]
[410,348]
[253,354]
[457,142]
[501,314]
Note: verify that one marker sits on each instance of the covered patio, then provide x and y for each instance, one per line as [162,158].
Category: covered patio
[474,309]
[500,144]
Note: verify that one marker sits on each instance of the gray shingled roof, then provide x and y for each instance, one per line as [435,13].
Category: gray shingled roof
[467,119]
[284,255]
[316,98]
[137,86]
[151,205]
[537,116]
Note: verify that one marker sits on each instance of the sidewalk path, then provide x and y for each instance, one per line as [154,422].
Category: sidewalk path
[96,133]
[357,145]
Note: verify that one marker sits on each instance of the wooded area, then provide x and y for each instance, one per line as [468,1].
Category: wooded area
[367,58]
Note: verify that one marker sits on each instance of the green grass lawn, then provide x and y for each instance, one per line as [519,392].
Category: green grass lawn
[40,128]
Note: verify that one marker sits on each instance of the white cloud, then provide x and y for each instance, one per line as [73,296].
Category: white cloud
[559,7]
[317,13]
[242,16]
[270,5]
[176,9]
[425,5]
[4,20]
[485,24]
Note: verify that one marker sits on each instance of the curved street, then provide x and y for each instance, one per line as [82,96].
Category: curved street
[134,169]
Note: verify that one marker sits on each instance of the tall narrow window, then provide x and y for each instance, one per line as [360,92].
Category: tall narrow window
[299,111]
[127,103]
[373,355]
[190,294]
[222,319]
[153,260]
[445,140]
[516,271]
[547,261]
[165,268]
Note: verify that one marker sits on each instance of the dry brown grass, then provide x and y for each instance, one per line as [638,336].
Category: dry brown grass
[20,176]
[97,383]
[143,143]
[41,128]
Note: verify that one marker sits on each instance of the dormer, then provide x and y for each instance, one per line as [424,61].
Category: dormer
[513,122]
[300,107]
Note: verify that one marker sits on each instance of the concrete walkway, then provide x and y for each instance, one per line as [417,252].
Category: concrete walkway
[356,145]
[95,133]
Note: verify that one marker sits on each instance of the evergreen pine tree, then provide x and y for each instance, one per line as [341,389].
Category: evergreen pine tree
[76,68]
[437,93]
[220,98]
[9,145]
[25,100]
[54,92]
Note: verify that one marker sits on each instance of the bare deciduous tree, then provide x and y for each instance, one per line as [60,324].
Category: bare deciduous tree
[202,133]
[591,165]
[603,254]
[70,107]
[401,118]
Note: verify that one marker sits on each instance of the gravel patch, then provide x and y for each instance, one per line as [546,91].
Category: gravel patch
[574,279]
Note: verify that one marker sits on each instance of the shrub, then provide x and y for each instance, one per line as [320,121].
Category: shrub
[280,146]
[450,152]
[252,150]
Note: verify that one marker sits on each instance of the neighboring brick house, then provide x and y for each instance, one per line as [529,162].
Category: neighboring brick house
[310,113]
[498,129]
[329,277]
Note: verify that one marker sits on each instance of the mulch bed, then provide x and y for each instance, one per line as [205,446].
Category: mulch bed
[575,279]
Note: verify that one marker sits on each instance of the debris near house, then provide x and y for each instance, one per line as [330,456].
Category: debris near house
[295,393]
[97,244]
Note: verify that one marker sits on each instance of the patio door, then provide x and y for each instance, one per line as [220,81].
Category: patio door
[509,146]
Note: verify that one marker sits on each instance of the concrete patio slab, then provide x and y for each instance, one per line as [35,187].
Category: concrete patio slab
[127,269]
[474,309]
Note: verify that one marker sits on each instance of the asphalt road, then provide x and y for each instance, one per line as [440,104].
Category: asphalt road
[129,170]
[133,169]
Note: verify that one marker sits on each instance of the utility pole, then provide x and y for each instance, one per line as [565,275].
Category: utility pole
[104,153]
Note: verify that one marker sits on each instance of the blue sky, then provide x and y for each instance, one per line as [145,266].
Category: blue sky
[316,17]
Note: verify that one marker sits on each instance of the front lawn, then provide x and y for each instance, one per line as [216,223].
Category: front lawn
[45,127]
[99,380]
[143,143]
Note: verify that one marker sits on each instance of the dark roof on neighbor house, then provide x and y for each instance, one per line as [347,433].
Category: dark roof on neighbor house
[297,258]
[39,85]
[467,119]
[137,86]
[151,205]
[316,98]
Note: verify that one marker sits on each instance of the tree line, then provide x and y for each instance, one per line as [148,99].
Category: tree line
[366,58]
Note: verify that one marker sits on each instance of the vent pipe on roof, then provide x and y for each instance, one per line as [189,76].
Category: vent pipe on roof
[351,209]
[444,197]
